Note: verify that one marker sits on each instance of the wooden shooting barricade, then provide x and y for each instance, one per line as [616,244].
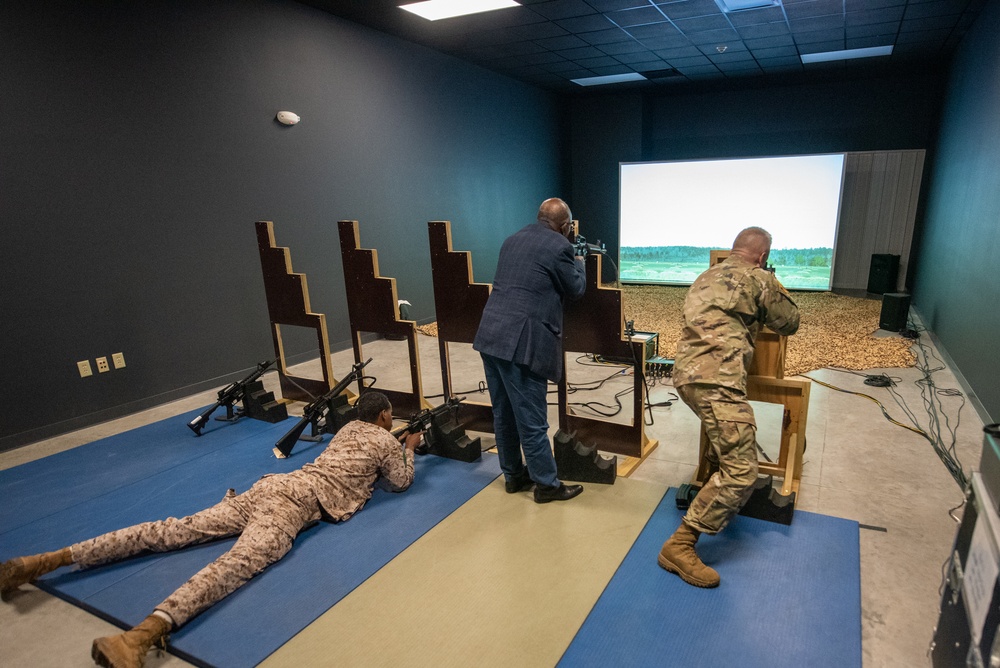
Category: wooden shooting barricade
[596,324]
[372,306]
[458,305]
[288,304]
[767,383]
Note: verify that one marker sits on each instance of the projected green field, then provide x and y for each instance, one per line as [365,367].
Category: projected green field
[802,269]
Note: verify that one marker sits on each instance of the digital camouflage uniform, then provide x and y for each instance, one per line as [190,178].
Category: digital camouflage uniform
[267,517]
[723,313]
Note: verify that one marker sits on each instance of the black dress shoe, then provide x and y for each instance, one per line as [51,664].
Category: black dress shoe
[544,493]
[519,482]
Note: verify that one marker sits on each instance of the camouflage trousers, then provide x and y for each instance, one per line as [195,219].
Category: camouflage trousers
[732,449]
[267,517]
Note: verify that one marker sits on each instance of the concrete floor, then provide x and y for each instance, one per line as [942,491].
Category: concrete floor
[857,466]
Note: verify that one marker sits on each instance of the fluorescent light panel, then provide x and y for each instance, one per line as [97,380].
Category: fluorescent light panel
[740,5]
[433,10]
[827,56]
[609,79]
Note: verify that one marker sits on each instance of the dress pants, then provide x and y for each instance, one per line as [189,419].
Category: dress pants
[520,420]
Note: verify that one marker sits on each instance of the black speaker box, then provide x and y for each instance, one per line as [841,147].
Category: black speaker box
[882,273]
[895,309]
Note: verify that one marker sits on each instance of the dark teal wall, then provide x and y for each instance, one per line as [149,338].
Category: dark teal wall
[957,290]
[138,146]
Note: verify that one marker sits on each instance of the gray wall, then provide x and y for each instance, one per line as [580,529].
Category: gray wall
[957,291]
[139,146]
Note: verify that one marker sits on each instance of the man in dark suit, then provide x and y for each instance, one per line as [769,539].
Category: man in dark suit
[520,340]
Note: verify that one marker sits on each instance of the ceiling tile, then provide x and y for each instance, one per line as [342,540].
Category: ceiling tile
[776,52]
[612,69]
[654,31]
[562,9]
[695,70]
[592,63]
[767,63]
[685,62]
[820,47]
[763,30]
[818,23]
[680,52]
[638,57]
[890,29]
[754,16]
[922,36]
[861,5]
[868,42]
[590,23]
[803,10]
[702,23]
[649,66]
[615,5]
[939,8]
[688,8]
[582,52]
[714,37]
[929,23]
[819,36]
[622,48]
[612,36]
[713,48]
[730,57]
[539,30]
[636,17]
[874,16]
[564,42]
[769,42]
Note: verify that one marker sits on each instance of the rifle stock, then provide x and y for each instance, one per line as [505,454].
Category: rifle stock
[228,396]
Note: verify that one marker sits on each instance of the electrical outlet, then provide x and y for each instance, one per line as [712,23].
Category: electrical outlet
[118,360]
[102,364]
[84,368]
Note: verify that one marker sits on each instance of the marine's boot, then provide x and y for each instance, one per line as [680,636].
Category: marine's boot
[678,556]
[22,570]
[128,650]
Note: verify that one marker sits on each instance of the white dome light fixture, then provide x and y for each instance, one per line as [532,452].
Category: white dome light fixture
[287,118]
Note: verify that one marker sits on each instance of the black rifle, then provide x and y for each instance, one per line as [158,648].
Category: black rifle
[314,412]
[228,396]
[422,420]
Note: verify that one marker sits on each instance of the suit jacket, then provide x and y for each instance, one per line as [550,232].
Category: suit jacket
[522,321]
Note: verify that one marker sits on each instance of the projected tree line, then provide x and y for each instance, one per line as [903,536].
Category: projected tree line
[803,268]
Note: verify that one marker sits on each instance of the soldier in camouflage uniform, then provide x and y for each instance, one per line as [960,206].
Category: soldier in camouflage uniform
[267,518]
[723,313]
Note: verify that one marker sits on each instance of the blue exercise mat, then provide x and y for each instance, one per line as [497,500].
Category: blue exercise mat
[790,596]
[326,563]
[46,486]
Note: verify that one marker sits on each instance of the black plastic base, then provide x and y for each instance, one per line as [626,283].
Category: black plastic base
[765,502]
[581,463]
[447,438]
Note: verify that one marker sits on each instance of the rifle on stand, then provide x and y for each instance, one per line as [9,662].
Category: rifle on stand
[443,435]
[319,410]
[228,396]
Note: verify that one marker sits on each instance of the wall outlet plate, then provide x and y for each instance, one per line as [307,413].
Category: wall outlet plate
[118,360]
[84,368]
[102,364]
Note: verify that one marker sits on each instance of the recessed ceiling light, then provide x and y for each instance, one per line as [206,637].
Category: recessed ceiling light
[432,10]
[826,56]
[609,79]
[740,5]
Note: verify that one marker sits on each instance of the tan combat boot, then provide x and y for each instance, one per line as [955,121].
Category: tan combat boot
[678,556]
[128,650]
[23,570]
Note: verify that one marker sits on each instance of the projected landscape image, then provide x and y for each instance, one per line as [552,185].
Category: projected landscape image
[673,214]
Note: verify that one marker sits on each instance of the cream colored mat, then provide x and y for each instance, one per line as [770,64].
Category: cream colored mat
[503,581]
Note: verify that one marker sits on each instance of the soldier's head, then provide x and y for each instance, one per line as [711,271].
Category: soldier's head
[555,215]
[374,407]
[753,245]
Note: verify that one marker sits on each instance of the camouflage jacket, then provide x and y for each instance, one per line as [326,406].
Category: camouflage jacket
[360,455]
[723,313]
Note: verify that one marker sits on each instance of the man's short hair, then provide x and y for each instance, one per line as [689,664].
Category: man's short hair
[370,404]
[755,239]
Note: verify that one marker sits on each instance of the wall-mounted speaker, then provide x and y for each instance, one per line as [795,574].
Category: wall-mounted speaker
[882,273]
[895,309]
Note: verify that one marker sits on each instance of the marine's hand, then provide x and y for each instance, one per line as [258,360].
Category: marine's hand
[411,440]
